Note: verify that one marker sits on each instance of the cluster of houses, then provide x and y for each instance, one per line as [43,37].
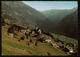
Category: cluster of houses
[33,32]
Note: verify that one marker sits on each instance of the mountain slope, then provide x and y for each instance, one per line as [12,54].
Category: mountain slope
[11,46]
[24,15]
[68,25]
[56,15]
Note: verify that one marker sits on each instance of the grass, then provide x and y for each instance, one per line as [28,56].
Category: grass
[9,52]
[46,47]
[65,39]
[32,50]
[11,46]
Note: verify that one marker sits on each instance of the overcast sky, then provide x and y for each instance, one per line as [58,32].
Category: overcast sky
[47,5]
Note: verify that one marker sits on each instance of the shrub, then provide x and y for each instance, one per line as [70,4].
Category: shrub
[31,41]
[19,40]
[10,30]
[71,45]
[62,42]
[15,34]
[57,40]
[66,49]
[36,43]
[41,39]
[23,37]
[48,53]
[61,47]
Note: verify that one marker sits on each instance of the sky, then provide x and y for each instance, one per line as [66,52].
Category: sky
[47,5]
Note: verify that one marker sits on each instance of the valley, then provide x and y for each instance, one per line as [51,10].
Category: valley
[29,32]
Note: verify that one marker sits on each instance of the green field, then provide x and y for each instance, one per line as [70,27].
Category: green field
[65,39]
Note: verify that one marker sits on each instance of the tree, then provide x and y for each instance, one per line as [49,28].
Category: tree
[36,43]
[31,41]
[48,53]
[41,39]
[2,21]
[62,42]
[22,38]
[19,40]
[10,30]
[71,45]
[15,33]
[57,40]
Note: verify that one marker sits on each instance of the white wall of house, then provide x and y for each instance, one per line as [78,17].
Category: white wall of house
[33,32]
[54,45]
[11,34]
[48,40]
[71,50]
[23,31]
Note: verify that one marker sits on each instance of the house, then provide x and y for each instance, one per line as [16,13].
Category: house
[30,44]
[11,34]
[33,32]
[23,31]
[71,50]
[48,40]
[17,27]
[39,31]
[54,45]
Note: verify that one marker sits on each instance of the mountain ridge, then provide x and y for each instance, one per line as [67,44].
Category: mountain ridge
[21,11]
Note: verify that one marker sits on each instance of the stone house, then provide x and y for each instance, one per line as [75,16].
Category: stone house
[71,50]
[54,45]
[11,34]
[33,32]
[48,40]
[23,31]
[30,44]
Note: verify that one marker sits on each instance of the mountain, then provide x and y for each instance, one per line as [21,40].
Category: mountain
[21,14]
[68,26]
[55,15]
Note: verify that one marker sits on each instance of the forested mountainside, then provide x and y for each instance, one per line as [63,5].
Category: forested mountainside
[68,25]
[55,15]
